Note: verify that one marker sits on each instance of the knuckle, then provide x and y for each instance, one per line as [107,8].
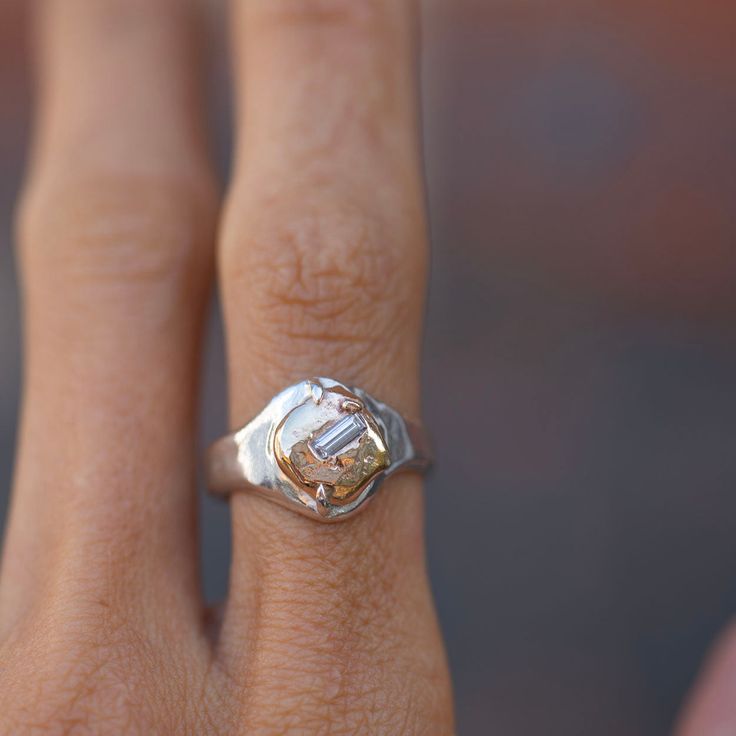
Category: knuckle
[104,227]
[325,279]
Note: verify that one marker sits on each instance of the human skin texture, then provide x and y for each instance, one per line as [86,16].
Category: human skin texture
[320,248]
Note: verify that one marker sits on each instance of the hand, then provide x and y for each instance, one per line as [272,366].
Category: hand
[322,261]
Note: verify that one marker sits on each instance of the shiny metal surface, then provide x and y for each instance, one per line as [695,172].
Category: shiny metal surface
[320,448]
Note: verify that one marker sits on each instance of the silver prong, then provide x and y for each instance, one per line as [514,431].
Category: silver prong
[317,391]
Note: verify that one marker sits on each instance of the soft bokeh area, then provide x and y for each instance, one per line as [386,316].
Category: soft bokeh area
[580,351]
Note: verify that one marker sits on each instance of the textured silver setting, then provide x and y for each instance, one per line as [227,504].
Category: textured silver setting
[251,459]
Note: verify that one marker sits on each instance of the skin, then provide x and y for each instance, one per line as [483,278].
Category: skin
[320,254]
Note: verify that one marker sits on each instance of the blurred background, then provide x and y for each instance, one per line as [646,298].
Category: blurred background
[581,164]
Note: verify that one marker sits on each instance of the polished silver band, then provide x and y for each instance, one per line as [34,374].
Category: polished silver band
[320,448]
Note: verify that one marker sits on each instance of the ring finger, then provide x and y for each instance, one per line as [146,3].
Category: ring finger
[323,266]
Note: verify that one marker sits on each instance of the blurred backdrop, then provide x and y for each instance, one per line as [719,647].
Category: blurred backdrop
[581,164]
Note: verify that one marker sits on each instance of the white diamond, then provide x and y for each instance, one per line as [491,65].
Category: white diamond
[338,435]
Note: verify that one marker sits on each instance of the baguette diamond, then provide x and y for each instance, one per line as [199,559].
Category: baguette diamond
[331,446]
[337,436]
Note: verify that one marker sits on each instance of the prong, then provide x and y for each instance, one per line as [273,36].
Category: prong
[317,392]
[351,406]
[322,503]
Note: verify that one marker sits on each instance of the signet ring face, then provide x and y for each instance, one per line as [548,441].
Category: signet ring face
[318,447]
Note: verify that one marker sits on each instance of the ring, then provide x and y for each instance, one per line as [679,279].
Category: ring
[319,448]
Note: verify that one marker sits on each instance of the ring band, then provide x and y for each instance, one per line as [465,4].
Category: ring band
[319,448]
